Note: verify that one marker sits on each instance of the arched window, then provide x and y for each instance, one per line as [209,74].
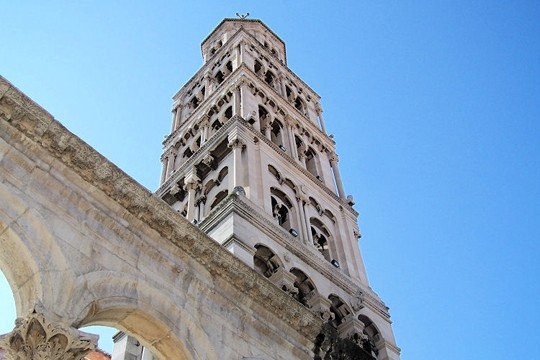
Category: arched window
[312,162]
[219,197]
[220,77]
[276,133]
[371,336]
[305,286]
[299,104]
[257,67]
[321,236]
[265,261]
[263,115]
[269,78]
[281,209]
[339,309]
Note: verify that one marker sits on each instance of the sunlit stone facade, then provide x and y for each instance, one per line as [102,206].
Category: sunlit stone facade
[250,163]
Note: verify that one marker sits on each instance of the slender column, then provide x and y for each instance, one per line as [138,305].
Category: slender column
[192,183]
[164,163]
[207,84]
[204,124]
[290,134]
[236,144]
[170,160]
[36,338]
[238,100]
[320,117]
[177,117]
[302,200]
[334,163]
[282,86]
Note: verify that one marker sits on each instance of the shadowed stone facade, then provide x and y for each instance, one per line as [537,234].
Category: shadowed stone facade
[247,248]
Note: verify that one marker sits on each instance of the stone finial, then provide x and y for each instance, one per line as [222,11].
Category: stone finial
[36,338]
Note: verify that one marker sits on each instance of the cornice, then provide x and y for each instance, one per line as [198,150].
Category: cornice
[241,20]
[24,120]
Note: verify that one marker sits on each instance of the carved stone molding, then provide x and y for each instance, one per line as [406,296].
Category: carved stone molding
[36,338]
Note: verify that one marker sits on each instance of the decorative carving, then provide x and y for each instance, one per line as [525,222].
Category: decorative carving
[358,301]
[35,338]
[208,160]
[236,143]
[329,345]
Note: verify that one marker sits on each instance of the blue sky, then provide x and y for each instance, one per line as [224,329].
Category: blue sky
[435,108]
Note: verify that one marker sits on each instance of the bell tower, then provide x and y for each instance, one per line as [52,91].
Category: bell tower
[249,162]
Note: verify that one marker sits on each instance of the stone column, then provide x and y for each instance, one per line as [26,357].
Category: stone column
[204,124]
[191,185]
[289,123]
[36,338]
[177,118]
[334,163]
[207,83]
[171,160]
[320,117]
[304,223]
[238,100]
[236,144]
[164,161]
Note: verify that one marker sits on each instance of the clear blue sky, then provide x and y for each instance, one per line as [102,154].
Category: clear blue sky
[435,107]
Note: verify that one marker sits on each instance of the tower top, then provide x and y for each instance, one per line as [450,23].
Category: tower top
[228,29]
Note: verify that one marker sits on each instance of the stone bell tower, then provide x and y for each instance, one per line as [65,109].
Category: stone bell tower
[249,162]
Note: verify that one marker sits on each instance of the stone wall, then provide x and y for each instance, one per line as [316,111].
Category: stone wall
[83,243]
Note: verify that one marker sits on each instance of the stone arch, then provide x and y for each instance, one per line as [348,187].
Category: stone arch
[265,261]
[312,163]
[138,308]
[282,209]
[321,237]
[20,270]
[218,198]
[277,133]
[339,309]
[305,285]
[31,258]
[371,338]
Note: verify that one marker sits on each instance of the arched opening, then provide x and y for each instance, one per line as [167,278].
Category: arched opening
[339,309]
[265,262]
[321,236]
[219,77]
[281,209]
[269,78]
[311,163]
[371,336]
[7,304]
[299,104]
[106,334]
[257,67]
[305,286]
[276,133]
[219,197]
[263,115]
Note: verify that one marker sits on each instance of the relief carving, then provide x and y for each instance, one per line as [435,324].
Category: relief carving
[35,338]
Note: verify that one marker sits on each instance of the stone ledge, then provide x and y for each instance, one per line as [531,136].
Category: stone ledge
[22,116]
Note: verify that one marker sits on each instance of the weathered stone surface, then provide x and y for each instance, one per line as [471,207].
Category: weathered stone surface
[90,245]
[36,338]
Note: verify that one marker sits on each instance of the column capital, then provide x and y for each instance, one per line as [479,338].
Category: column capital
[334,158]
[36,338]
[236,143]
